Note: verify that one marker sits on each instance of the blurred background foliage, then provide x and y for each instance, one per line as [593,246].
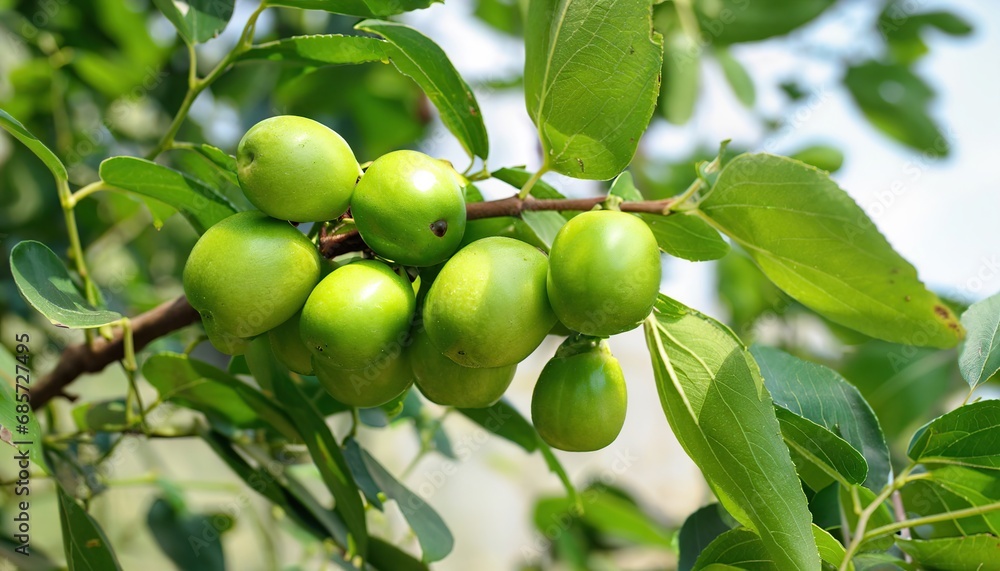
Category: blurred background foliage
[97,78]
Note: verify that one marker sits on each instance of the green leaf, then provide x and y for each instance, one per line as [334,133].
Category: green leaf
[896,101]
[720,411]
[737,76]
[821,395]
[823,157]
[606,513]
[107,415]
[820,456]
[46,285]
[812,240]
[435,540]
[974,553]
[16,373]
[86,546]
[741,548]
[359,8]
[202,387]
[967,436]
[15,128]
[980,356]
[681,77]
[201,205]
[946,489]
[417,56]
[385,556]
[330,49]
[362,477]
[282,491]
[732,21]
[518,177]
[503,420]
[545,224]
[201,20]
[182,536]
[328,458]
[687,237]
[699,530]
[591,81]
[624,187]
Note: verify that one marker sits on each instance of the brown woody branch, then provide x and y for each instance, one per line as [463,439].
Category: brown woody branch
[80,359]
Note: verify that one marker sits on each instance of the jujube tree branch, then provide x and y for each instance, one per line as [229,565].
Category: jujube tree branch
[80,359]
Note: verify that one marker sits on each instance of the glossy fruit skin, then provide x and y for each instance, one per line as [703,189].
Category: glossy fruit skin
[604,272]
[410,208]
[358,314]
[379,383]
[293,168]
[288,347]
[447,383]
[488,306]
[249,273]
[579,402]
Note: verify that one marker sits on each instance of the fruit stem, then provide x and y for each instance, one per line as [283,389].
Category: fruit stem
[76,248]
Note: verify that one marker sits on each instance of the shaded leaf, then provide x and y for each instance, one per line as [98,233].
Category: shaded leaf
[974,553]
[681,77]
[326,454]
[687,237]
[86,546]
[191,541]
[385,556]
[329,49]
[201,20]
[732,21]
[820,456]
[980,356]
[821,395]
[945,489]
[15,128]
[968,436]
[741,548]
[435,539]
[896,101]
[46,285]
[812,240]
[202,387]
[359,8]
[591,82]
[417,56]
[720,411]
[201,205]
[699,530]
[737,76]
[624,188]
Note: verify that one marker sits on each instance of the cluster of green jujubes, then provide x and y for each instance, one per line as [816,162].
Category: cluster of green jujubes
[459,330]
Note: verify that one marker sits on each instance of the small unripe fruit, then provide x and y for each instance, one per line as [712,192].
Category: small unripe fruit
[294,168]
[288,347]
[604,272]
[248,274]
[447,383]
[358,314]
[488,306]
[374,385]
[579,401]
[410,208]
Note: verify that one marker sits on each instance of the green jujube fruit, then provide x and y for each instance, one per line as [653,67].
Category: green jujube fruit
[579,402]
[294,168]
[288,347]
[358,314]
[248,274]
[447,383]
[604,272]
[410,208]
[380,382]
[488,306]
